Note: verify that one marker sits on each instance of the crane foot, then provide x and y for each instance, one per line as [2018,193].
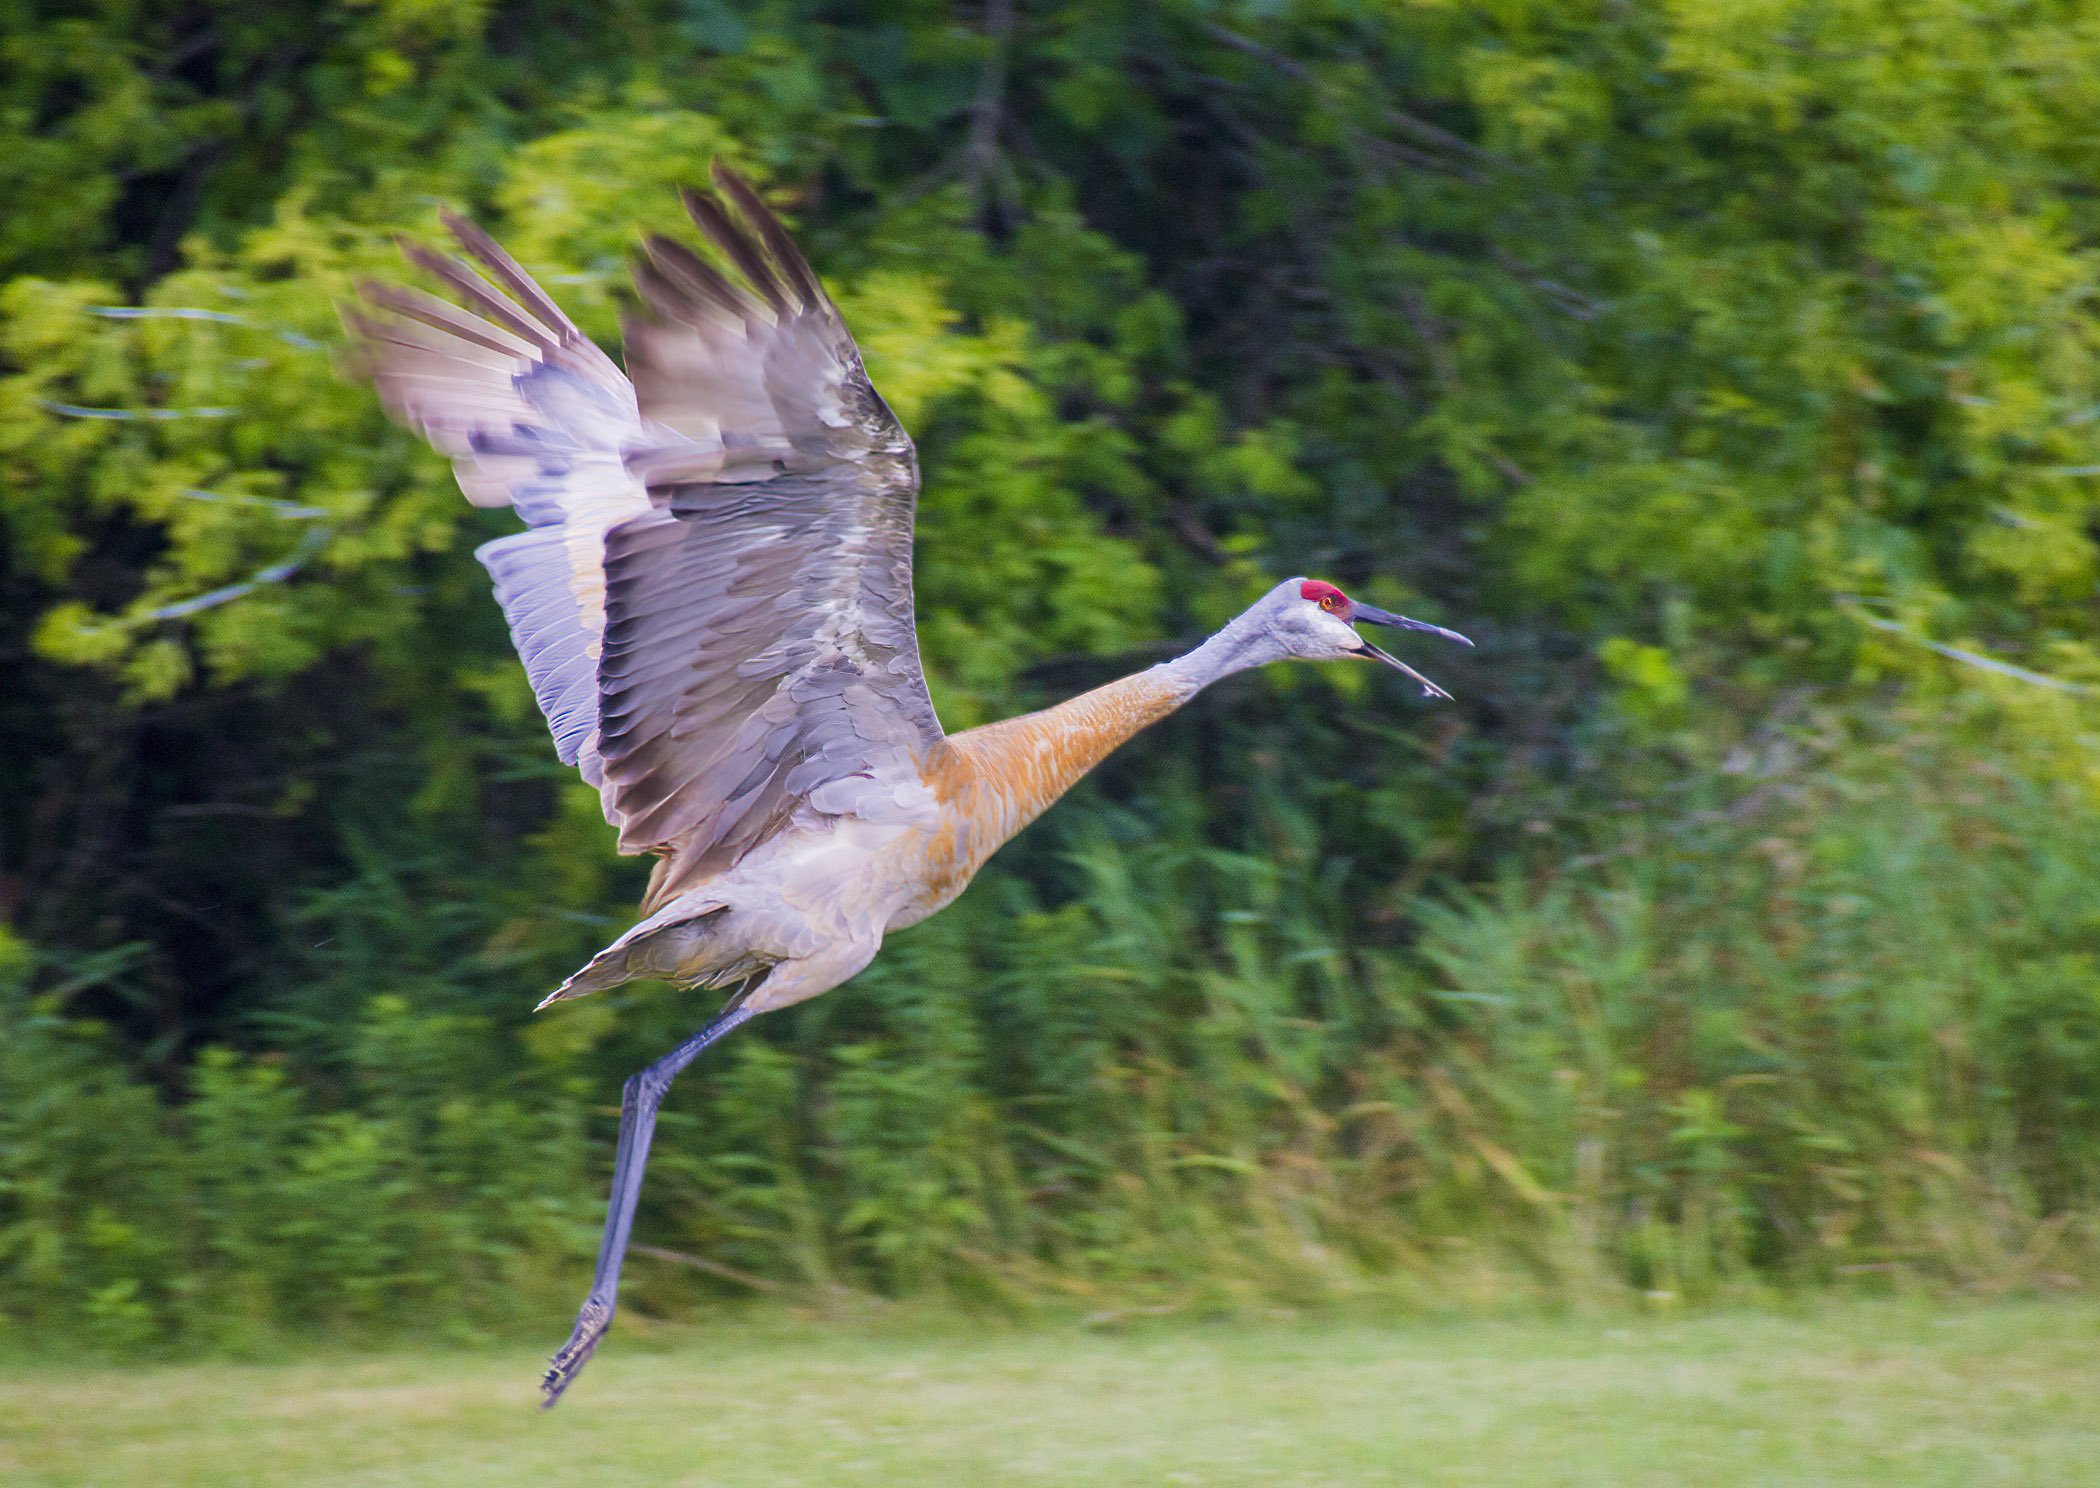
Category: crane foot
[591,1324]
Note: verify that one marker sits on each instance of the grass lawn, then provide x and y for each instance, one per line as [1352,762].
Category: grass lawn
[1831,1393]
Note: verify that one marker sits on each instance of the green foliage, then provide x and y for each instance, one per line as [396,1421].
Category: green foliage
[1728,370]
[1852,1029]
[375,1192]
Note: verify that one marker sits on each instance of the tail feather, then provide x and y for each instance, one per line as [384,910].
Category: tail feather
[606,969]
[689,951]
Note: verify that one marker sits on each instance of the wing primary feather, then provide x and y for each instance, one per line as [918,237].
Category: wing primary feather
[723,230]
[415,349]
[432,311]
[659,294]
[688,271]
[506,270]
[801,278]
[472,288]
[670,299]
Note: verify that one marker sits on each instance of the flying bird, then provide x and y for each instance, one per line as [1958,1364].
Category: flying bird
[712,598]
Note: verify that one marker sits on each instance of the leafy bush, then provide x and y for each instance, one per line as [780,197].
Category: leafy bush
[1846,1025]
[248,1210]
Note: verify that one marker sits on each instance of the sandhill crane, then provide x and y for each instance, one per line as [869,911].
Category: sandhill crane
[713,602]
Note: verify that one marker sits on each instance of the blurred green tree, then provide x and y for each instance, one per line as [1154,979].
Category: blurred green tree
[1728,369]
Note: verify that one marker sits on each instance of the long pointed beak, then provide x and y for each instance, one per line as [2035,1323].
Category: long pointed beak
[1367,614]
[1429,688]
[1375,616]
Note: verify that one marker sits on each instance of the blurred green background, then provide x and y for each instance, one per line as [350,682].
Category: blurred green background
[1726,368]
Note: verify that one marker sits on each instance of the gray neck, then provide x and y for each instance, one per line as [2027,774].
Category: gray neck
[1241,645]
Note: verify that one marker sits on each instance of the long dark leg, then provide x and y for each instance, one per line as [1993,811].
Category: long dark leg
[638,1107]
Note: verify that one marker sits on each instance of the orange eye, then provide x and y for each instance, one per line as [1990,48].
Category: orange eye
[1331,603]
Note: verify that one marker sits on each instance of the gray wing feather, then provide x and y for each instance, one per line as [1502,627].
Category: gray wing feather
[532,572]
[535,417]
[713,602]
[725,708]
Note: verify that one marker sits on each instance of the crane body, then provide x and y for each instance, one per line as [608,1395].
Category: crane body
[810,899]
[712,600]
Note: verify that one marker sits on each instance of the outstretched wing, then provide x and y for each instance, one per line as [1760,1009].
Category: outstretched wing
[713,596]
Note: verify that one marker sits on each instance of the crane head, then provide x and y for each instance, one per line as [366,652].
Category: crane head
[1313,620]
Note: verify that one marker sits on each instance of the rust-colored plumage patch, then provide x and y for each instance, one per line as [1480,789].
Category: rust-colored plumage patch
[995,780]
[1028,762]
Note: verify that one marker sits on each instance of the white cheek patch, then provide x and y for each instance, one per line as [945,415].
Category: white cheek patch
[1336,634]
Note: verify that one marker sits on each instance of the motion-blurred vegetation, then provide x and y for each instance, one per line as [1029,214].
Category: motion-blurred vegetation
[1727,369]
